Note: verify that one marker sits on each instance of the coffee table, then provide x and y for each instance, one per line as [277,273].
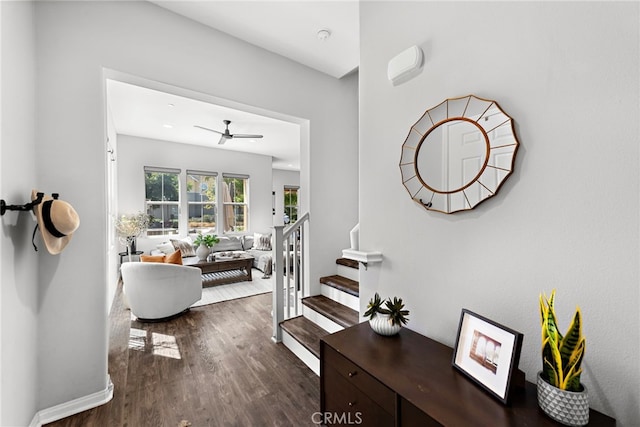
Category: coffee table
[223,270]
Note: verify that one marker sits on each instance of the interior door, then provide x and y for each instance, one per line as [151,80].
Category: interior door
[465,155]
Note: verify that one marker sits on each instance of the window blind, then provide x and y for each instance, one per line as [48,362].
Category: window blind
[202,173]
[235,175]
[156,169]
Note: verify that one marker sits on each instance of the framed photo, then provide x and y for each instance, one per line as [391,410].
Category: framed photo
[487,352]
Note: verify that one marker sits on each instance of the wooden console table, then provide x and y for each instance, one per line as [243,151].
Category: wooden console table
[408,380]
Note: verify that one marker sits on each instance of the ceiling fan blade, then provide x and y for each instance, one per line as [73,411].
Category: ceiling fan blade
[240,135]
[210,130]
[223,139]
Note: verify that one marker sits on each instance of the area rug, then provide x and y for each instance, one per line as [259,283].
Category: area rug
[219,293]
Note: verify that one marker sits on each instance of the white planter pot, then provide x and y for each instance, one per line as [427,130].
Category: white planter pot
[203,252]
[567,407]
[382,325]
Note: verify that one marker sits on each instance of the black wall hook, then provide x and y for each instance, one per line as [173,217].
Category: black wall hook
[26,207]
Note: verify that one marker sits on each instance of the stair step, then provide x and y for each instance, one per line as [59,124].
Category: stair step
[342,283]
[348,263]
[348,272]
[339,313]
[305,332]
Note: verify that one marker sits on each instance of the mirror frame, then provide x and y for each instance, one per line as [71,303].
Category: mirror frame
[497,129]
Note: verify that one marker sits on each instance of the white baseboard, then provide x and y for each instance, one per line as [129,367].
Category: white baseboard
[73,407]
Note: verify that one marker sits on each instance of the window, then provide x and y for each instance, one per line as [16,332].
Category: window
[201,201]
[162,195]
[234,197]
[290,204]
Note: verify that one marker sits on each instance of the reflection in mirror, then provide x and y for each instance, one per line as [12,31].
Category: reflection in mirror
[451,156]
[458,154]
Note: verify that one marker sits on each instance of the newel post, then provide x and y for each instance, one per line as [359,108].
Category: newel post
[278,283]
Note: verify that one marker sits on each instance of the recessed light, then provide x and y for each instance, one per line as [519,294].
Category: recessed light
[168,126]
[323,34]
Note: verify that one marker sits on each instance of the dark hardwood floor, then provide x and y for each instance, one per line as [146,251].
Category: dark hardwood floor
[213,366]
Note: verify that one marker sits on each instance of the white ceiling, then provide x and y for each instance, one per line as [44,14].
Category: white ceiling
[149,113]
[288,28]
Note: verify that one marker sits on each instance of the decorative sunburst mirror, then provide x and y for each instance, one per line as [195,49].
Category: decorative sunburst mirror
[458,154]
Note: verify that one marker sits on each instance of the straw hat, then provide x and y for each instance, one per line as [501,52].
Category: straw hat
[57,221]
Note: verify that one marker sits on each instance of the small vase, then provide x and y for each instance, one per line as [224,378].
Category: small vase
[567,407]
[381,324]
[203,252]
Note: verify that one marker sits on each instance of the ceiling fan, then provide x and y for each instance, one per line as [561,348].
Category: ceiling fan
[226,134]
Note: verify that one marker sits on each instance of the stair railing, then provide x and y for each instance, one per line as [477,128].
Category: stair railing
[289,259]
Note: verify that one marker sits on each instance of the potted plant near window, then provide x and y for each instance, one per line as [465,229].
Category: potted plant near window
[203,244]
[387,320]
[560,393]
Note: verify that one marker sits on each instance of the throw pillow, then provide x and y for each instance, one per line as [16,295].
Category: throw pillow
[166,248]
[185,247]
[151,258]
[174,258]
[228,243]
[261,242]
[247,242]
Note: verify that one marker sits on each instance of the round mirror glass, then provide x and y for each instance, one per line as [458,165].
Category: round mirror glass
[458,154]
[451,156]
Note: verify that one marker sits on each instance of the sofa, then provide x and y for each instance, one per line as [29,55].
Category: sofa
[259,250]
[262,255]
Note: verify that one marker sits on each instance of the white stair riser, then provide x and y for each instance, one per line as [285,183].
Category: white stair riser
[321,320]
[348,272]
[343,298]
[301,352]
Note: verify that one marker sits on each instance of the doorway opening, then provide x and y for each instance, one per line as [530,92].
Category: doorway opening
[170,119]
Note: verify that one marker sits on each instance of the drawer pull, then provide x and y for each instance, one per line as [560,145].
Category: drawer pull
[352,373]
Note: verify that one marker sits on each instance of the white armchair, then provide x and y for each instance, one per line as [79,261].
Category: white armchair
[155,290]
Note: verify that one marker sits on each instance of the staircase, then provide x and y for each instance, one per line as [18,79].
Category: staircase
[336,308]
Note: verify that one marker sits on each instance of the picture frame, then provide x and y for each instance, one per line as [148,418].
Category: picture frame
[488,353]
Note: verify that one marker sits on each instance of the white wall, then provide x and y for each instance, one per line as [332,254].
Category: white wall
[135,153]
[284,178]
[566,219]
[19,288]
[74,41]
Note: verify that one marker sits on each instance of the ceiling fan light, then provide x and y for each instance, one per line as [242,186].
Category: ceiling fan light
[226,134]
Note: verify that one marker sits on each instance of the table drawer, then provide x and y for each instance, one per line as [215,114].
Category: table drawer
[411,416]
[354,375]
[345,404]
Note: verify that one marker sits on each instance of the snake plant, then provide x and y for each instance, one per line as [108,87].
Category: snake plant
[561,355]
